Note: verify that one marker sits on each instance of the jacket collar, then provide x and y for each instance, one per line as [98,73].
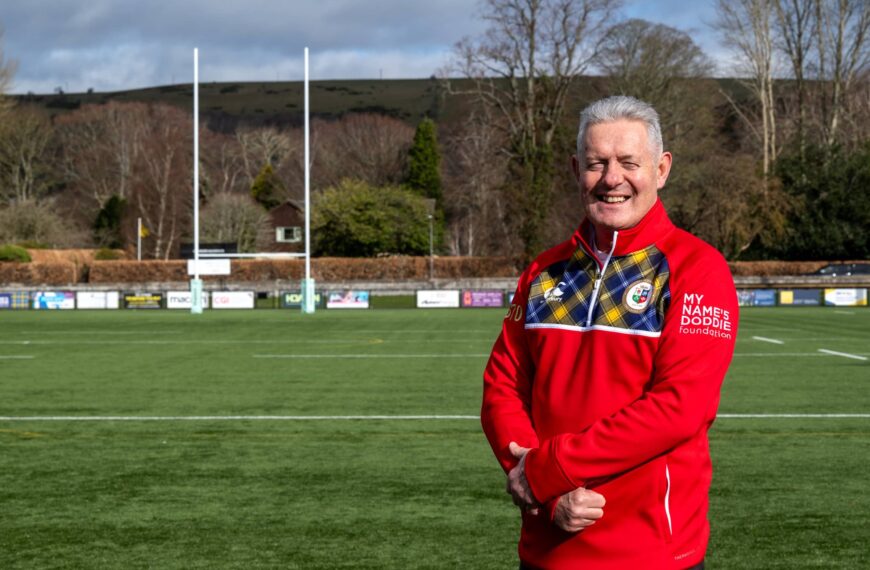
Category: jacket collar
[650,229]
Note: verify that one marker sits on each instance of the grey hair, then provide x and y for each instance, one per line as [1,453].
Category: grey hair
[616,108]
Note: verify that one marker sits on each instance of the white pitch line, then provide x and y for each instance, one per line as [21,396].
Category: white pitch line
[17,357]
[774,416]
[844,312]
[227,418]
[765,339]
[481,355]
[359,417]
[843,354]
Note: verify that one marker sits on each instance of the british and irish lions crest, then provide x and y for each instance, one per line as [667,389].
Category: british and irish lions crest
[637,296]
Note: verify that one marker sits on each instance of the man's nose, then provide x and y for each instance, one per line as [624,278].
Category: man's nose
[613,175]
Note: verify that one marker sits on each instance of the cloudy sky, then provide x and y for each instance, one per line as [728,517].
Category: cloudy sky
[112,45]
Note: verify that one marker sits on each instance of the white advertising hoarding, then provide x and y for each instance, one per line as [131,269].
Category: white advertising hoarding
[846,297]
[181,300]
[209,266]
[97,300]
[233,299]
[347,300]
[446,299]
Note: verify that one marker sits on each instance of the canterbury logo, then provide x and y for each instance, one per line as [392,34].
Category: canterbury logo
[554,293]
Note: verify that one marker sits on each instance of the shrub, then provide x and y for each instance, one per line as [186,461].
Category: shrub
[106,254]
[14,253]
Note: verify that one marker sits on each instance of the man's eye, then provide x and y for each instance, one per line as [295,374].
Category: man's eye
[630,165]
[594,165]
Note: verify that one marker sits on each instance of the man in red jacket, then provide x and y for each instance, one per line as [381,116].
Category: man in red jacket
[605,379]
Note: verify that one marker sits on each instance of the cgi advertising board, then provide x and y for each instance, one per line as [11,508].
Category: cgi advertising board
[233,299]
[54,300]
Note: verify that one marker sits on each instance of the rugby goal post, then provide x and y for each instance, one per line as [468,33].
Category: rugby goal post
[196,283]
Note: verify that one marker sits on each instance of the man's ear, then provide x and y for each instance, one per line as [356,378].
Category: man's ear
[575,167]
[663,169]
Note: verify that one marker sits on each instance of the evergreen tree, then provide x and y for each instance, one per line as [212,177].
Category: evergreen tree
[267,188]
[107,226]
[424,163]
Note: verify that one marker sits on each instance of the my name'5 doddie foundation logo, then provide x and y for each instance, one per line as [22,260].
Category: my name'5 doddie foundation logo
[637,296]
[698,317]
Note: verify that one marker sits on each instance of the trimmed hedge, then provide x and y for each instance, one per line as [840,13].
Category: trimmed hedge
[57,273]
[399,268]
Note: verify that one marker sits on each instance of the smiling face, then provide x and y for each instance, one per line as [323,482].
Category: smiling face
[619,176]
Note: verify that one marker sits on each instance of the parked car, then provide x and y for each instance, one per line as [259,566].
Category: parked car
[840,269]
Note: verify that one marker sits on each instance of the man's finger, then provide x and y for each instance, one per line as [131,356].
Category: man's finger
[516,450]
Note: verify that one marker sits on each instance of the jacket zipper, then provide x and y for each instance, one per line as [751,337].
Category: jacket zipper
[668,500]
[598,279]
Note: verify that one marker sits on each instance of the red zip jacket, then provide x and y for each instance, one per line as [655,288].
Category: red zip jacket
[611,373]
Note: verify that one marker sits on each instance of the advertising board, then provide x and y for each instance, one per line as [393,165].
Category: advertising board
[233,299]
[846,297]
[17,300]
[181,300]
[54,300]
[800,297]
[97,300]
[756,297]
[143,300]
[472,298]
[347,300]
[209,266]
[438,299]
[293,300]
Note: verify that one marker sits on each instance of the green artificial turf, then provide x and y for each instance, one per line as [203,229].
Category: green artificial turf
[373,493]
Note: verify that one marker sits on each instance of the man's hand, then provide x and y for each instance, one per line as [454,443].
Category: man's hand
[578,509]
[517,484]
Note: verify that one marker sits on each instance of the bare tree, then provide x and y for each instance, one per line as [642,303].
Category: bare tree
[843,53]
[522,69]
[162,193]
[102,144]
[26,155]
[235,218]
[476,170]
[795,28]
[7,72]
[746,26]
[366,147]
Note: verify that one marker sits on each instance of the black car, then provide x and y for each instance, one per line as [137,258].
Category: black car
[840,269]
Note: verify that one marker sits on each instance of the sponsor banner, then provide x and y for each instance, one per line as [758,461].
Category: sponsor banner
[800,297]
[347,300]
[472,298]
[233,299]
[209,266]
[846,297]
[97,300]
[440,299]
[17,301]
[756,297]
[293,300]
[143,300]
[54,300]
[181,300]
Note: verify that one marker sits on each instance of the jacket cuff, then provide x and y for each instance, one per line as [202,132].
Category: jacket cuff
[546,478]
